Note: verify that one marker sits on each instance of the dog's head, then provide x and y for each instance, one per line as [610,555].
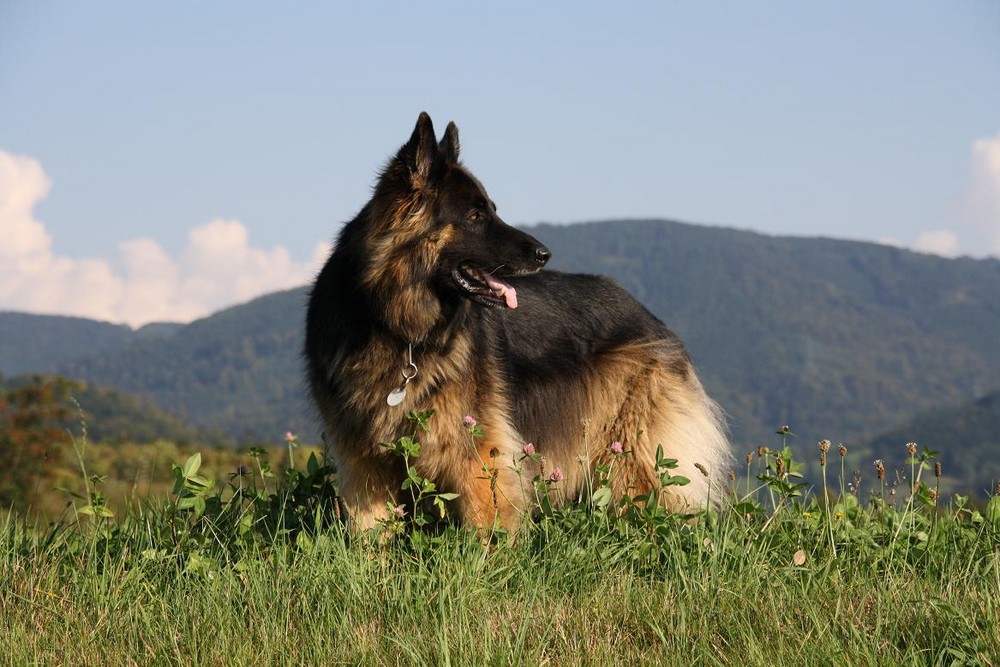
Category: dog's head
[437,219]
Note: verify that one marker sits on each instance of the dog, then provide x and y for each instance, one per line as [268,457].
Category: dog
[429,300]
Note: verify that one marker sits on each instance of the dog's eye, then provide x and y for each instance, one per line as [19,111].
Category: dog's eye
[474,215]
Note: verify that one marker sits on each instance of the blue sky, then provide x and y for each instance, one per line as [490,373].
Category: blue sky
[159,161]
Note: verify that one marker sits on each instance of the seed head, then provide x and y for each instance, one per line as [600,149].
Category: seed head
[749,458]
[842,450]
[762,450]
[732,475]
[822,458]
[911,448]
[779,466]
[937,469]
[702,469]
[880,469]
[933,494]
[824,446]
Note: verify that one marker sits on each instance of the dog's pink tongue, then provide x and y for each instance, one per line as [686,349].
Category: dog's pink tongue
[511,296]
[500,288]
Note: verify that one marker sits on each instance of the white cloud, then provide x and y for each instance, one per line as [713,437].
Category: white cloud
[22,185]
[937,242]
[975,218]
[217,267]
[978,213]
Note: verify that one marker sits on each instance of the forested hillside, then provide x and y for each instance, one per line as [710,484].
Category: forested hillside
[967,437]
[238,371]
[839,339]
[39,343]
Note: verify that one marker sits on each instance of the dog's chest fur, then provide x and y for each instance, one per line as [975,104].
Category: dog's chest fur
[455,380]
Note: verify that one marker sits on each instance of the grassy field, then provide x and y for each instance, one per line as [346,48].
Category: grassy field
[258,571]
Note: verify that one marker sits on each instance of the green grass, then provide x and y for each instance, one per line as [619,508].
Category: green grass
[259,574]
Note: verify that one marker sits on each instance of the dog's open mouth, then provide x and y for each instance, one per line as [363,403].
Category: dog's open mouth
[485,287]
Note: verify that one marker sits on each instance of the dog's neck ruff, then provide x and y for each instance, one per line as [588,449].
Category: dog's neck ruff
[409,372]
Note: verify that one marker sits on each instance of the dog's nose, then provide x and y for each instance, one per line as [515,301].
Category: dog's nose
[542,255]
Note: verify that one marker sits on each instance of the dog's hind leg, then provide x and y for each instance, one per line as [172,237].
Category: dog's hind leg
[688,426]
[663,404]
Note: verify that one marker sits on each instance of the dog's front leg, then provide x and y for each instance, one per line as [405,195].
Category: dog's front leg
[369,487]
[490,489]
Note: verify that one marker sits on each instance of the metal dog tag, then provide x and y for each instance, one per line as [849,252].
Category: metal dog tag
[396,396]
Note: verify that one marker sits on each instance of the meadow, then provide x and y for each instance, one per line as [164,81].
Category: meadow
[252,566]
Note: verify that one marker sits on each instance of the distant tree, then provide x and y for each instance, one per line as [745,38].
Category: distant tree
[31,435]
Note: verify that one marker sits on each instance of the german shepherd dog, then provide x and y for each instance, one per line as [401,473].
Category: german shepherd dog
[430,300]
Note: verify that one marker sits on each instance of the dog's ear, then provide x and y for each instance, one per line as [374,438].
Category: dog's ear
[449,144]
[421,150]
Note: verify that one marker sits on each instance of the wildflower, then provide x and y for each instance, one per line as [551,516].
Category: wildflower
[842,450]
[617,447]
[398,511]
[701,469]
[784,430]
[557,475]
[290,437]
[824,446]
[880,469]
[469,421]
[911,448]
[528,449]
